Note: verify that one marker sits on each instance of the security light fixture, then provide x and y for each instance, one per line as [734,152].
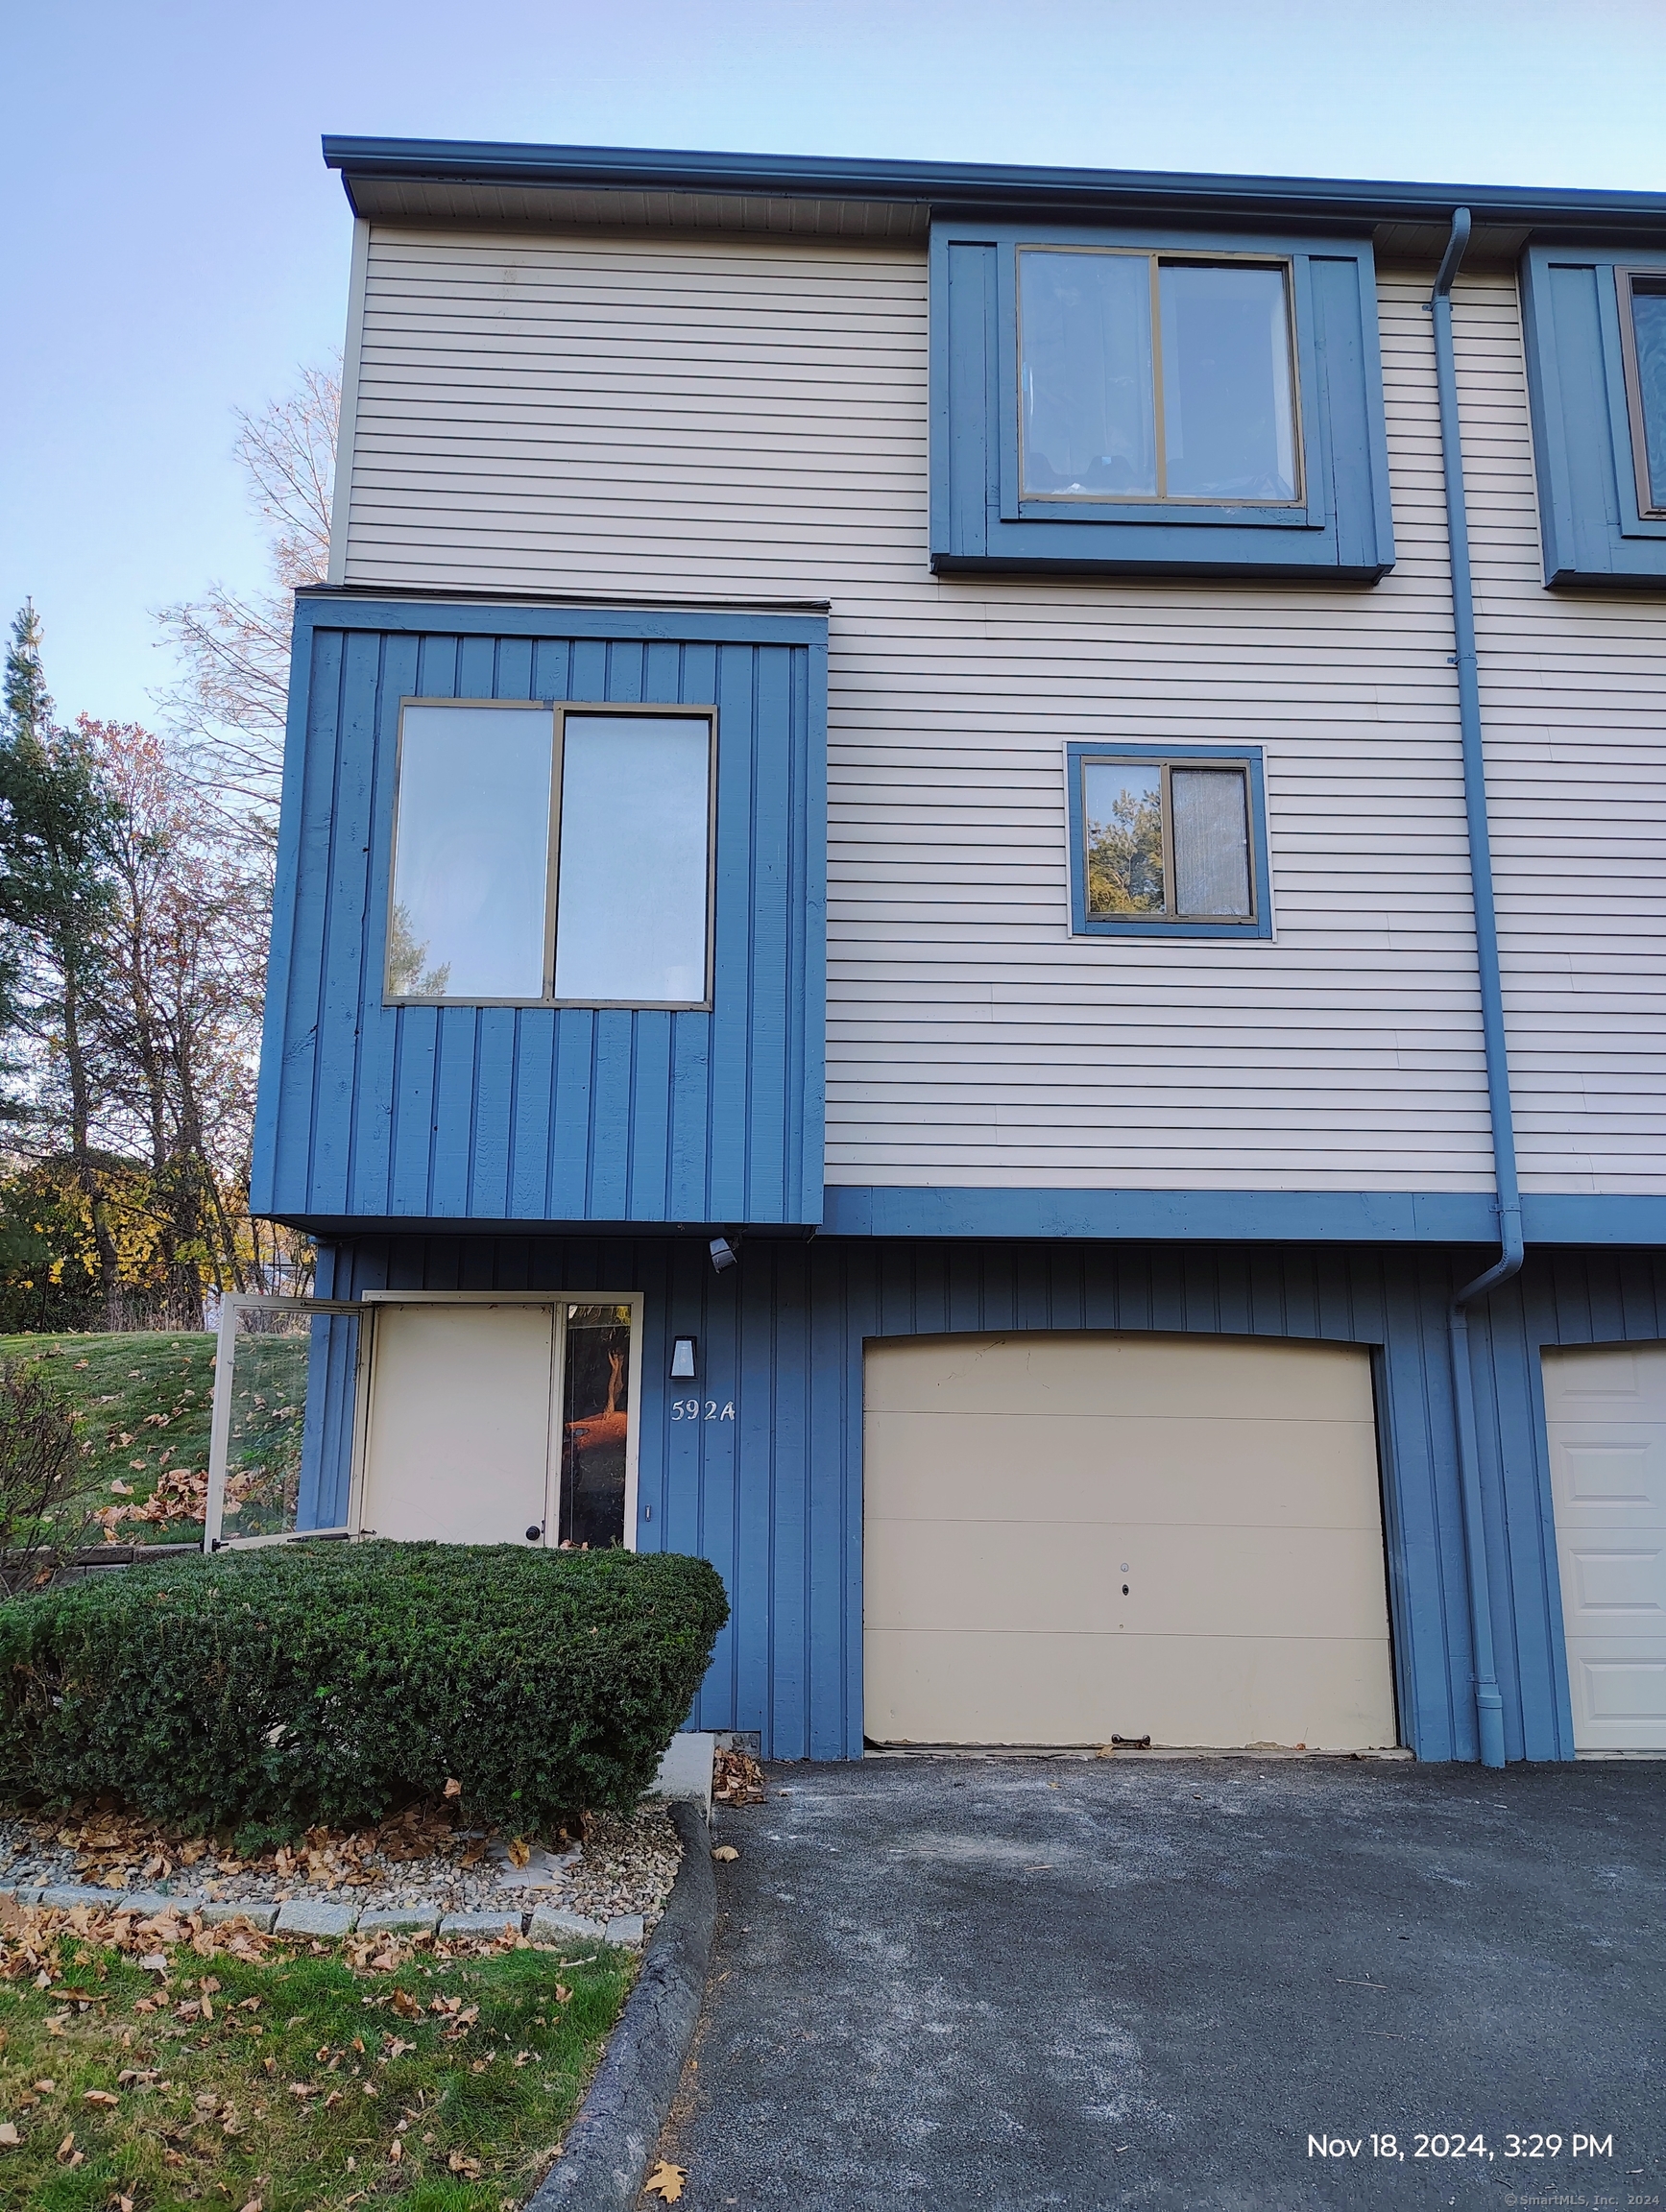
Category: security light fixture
[683,1350]
[723,1254]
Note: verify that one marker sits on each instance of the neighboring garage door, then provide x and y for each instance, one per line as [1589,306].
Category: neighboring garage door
[1073,1537]
[1606,1415]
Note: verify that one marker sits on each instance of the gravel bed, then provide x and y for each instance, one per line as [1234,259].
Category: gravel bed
[622,1865]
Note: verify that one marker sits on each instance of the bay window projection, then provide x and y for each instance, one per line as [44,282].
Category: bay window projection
[551,856]
[1155,377]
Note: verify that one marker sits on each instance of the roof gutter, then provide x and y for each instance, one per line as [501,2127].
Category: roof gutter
[983,185]
[1488,1703]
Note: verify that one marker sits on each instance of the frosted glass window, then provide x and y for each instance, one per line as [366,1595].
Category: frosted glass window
[471,852]
[1649,340]
[1198,403]
[633,872]
[1209,832]
[1089,412]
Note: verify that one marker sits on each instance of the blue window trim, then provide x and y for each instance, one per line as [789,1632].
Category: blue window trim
[1082,925]
[1343,532]
[1594,529]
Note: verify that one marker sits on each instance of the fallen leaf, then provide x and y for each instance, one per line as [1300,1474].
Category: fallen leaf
[453,1788]
[519,1850]
[9,2134]
[395,2151]
[406,2006]
[154,1962]
[254,2205]
[726,1851]
[666,2181]
[67,2145]
[98,2097]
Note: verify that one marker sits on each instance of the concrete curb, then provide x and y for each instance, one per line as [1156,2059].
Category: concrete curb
[608,2147]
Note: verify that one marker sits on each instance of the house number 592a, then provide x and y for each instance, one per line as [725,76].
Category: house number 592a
[689,1409]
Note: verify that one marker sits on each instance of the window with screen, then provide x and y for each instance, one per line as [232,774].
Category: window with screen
[1166,842]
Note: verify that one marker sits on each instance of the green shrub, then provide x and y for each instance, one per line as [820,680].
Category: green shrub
[272,1688]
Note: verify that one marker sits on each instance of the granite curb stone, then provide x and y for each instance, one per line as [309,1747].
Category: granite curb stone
[400,1920]
[551,1925]
[216,1911]
[627,1931]
[481,1923]
[606,2152]
[308,1916]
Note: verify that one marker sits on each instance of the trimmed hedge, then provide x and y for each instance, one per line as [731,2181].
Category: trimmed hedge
[272,1688]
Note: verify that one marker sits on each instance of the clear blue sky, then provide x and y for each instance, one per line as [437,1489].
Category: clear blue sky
[175,247]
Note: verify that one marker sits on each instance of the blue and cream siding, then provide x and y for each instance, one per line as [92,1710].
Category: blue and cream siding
[620,431]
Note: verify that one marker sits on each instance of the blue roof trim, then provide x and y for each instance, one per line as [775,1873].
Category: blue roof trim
[979,183]
[1258,1216]
[323,608]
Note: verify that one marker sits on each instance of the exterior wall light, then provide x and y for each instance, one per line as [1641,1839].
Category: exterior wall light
[685,1350]
[723,1254]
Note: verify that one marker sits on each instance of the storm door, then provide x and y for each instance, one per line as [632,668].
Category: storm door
[280,1444]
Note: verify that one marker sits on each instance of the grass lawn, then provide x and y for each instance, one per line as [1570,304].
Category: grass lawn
[290,2077]
[145,1401]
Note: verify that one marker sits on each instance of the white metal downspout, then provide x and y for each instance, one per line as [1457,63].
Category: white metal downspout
[1488,1703]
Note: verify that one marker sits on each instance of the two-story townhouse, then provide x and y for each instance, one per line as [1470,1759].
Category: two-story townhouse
[970,916]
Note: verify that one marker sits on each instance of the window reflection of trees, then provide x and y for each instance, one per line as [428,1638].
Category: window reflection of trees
[1126,855]
[407,977]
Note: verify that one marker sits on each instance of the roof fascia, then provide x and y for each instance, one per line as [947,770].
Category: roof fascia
[987,186]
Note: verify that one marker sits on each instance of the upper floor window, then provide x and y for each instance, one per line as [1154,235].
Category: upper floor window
[1157,402]
[1167,840]
[1643,337]
[1154,376]
[1594,321]
[551,856]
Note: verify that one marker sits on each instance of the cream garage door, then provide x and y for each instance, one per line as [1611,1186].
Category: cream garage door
[1607,1414]
[1071,1537]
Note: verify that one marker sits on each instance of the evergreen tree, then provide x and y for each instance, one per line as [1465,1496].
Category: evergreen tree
[56,821]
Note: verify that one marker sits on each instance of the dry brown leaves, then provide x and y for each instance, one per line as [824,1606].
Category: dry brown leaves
[122,1850]
[32,1942]
[737,1779]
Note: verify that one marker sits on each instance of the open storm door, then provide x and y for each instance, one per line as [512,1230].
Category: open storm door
[286,1400]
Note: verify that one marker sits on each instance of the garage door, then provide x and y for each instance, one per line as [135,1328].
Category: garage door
[1606,1413]
[1068,1538]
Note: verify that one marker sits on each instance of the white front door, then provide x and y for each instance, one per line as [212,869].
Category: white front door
[457,1446]
[1606,1412]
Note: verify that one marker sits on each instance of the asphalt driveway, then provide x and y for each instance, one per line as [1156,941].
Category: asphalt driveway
[1017,1982]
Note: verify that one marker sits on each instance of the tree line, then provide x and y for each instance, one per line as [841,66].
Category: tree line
[135,895]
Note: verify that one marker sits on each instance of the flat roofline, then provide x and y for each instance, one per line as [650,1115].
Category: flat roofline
[965,186]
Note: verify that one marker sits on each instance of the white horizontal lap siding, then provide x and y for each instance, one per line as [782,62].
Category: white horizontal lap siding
[1574,698]
[720,416]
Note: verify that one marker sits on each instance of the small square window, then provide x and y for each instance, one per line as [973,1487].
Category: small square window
[1643,344]
[1171,843]
[551,856]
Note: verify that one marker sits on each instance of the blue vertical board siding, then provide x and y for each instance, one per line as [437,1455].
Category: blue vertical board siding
[541,1113]
[773,1496]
